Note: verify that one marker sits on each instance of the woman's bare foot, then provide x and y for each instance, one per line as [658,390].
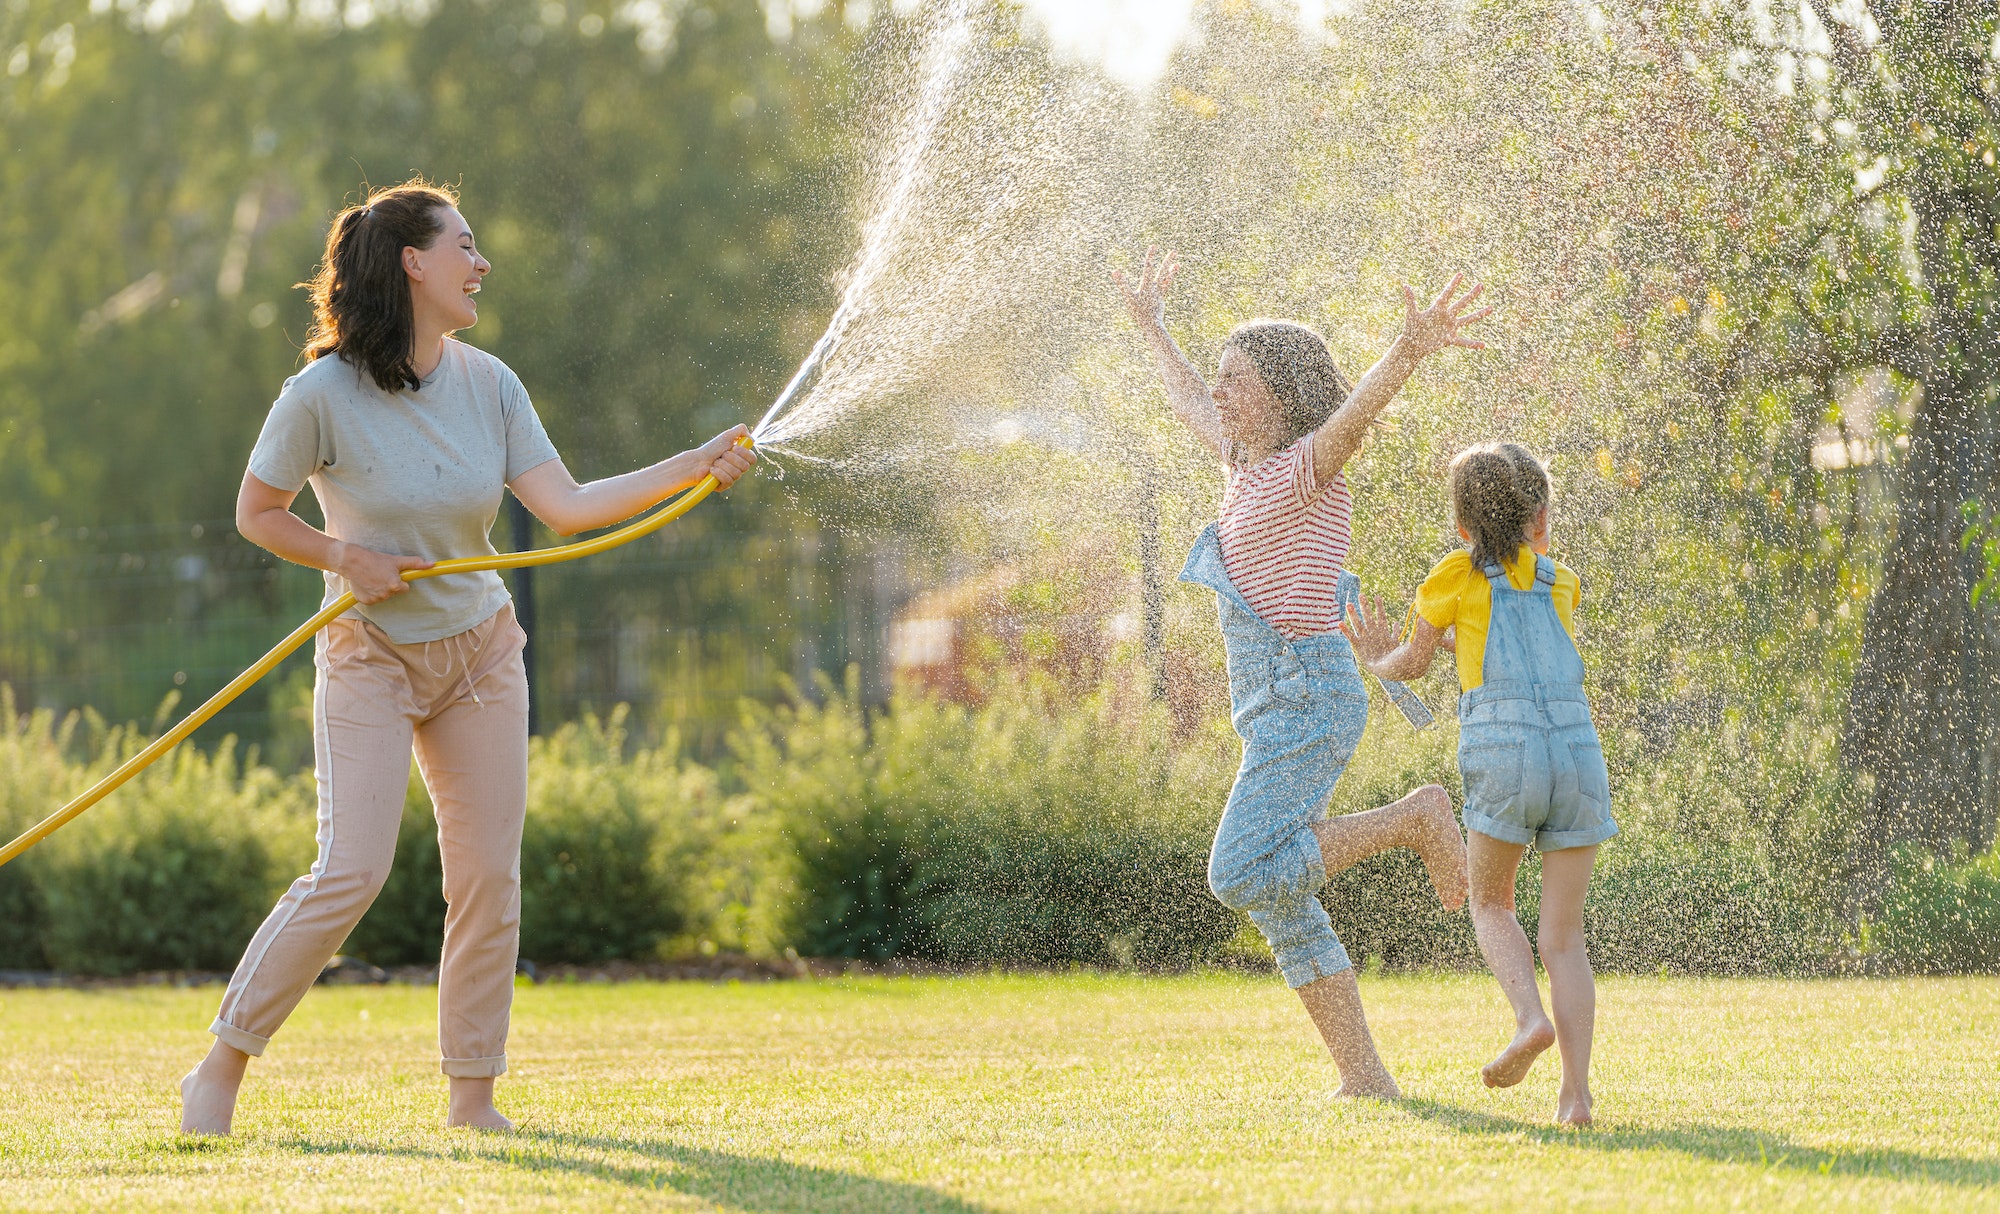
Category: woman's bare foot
[1573,1112]
[208,1093]
[472,1106]
[1511,1067]
[1434,835]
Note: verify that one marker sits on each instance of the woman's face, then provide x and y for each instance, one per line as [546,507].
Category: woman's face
[1250,413]
[445,277]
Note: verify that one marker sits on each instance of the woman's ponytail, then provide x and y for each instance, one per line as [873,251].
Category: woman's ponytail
[360,294]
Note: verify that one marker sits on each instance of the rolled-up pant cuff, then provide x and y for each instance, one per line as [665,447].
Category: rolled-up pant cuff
[235,1038]
[476,1068]
[1305,966]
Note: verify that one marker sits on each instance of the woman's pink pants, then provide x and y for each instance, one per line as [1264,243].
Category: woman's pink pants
[463,702]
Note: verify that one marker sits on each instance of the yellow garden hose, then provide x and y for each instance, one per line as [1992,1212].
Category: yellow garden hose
[304,632]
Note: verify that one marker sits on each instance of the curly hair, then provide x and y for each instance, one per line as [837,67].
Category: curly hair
[1497,489]
[1295,365]
[360,295]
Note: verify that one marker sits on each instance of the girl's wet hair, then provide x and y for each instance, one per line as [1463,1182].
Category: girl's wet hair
[1294,364]
[360,294]
[1497,489]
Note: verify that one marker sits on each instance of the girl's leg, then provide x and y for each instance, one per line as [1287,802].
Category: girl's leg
[1572,987]
[1334,1003]
[1271,857]
[474,757]
[1494,865]
[1421,821]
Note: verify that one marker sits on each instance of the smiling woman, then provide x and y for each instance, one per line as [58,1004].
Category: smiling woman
[409,438]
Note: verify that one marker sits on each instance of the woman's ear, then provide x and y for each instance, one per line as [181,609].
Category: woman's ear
[413,262]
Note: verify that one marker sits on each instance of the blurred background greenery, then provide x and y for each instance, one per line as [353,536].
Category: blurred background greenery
[1750,265]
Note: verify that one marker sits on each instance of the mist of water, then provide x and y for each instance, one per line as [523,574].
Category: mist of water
[980,385]
[882,240]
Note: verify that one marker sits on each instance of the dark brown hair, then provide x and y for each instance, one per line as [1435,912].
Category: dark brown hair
[360,294]
[1294,364]
[1496,491]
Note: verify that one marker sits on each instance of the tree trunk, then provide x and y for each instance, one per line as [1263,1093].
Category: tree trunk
[1920,713]
[1924,711]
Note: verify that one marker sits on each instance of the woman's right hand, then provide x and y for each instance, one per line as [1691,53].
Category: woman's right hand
[1147,301]
[374,576]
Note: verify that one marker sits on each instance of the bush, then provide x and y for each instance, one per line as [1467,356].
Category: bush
[618,856]
[1939,915]
[1017,832]
[1715,913]
[1385,907]
[610,844]
[34,781]
[810,772]
[1005,834]
[175,870]
[1729,909]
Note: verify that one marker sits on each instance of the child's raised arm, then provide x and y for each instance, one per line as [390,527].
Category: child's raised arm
[1186,390]
[1424,333]
[1373,634]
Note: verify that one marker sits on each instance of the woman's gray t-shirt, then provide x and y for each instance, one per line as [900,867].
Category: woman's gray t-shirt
[412,473]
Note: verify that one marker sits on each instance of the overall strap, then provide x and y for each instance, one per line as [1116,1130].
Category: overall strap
[1494,573]
[1545,570]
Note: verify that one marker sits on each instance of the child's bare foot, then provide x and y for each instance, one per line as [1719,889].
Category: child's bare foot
[208,1098]
[1511,1067]
[1434,835]
[1573,1111]
[472,1106]
[1377,1086]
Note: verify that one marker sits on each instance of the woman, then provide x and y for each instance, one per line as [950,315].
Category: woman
[1284,423]
[408,437]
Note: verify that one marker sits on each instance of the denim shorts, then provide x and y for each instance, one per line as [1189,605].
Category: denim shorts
[1534,771]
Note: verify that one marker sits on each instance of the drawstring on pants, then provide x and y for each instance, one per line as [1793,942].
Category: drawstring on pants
[451,651]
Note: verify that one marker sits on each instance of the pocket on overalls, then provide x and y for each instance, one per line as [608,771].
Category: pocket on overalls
[1593,778]
[1492,771]
[1291,683]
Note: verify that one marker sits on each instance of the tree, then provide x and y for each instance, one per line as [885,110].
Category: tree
[1925,705]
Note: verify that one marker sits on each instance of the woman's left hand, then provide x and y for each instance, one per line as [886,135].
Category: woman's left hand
[1431,329]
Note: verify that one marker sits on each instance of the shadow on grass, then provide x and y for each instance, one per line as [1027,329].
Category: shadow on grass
[760,1183]
[1722,1144]
[192,1144]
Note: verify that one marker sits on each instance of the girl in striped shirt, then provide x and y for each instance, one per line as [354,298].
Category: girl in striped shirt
[1284,423]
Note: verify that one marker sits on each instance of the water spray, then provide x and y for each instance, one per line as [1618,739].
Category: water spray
[882,235]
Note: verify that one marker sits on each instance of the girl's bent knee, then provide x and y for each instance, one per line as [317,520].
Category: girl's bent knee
[1235,888]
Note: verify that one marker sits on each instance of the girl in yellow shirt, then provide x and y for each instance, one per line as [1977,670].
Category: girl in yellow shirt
[1533,767]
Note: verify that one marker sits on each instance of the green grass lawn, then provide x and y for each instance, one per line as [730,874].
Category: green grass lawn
[1019,1093]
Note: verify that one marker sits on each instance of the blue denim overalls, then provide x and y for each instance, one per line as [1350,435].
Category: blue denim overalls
[1533,767]
[1299,707]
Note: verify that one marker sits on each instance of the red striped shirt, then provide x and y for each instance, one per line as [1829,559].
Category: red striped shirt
[1285,538]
